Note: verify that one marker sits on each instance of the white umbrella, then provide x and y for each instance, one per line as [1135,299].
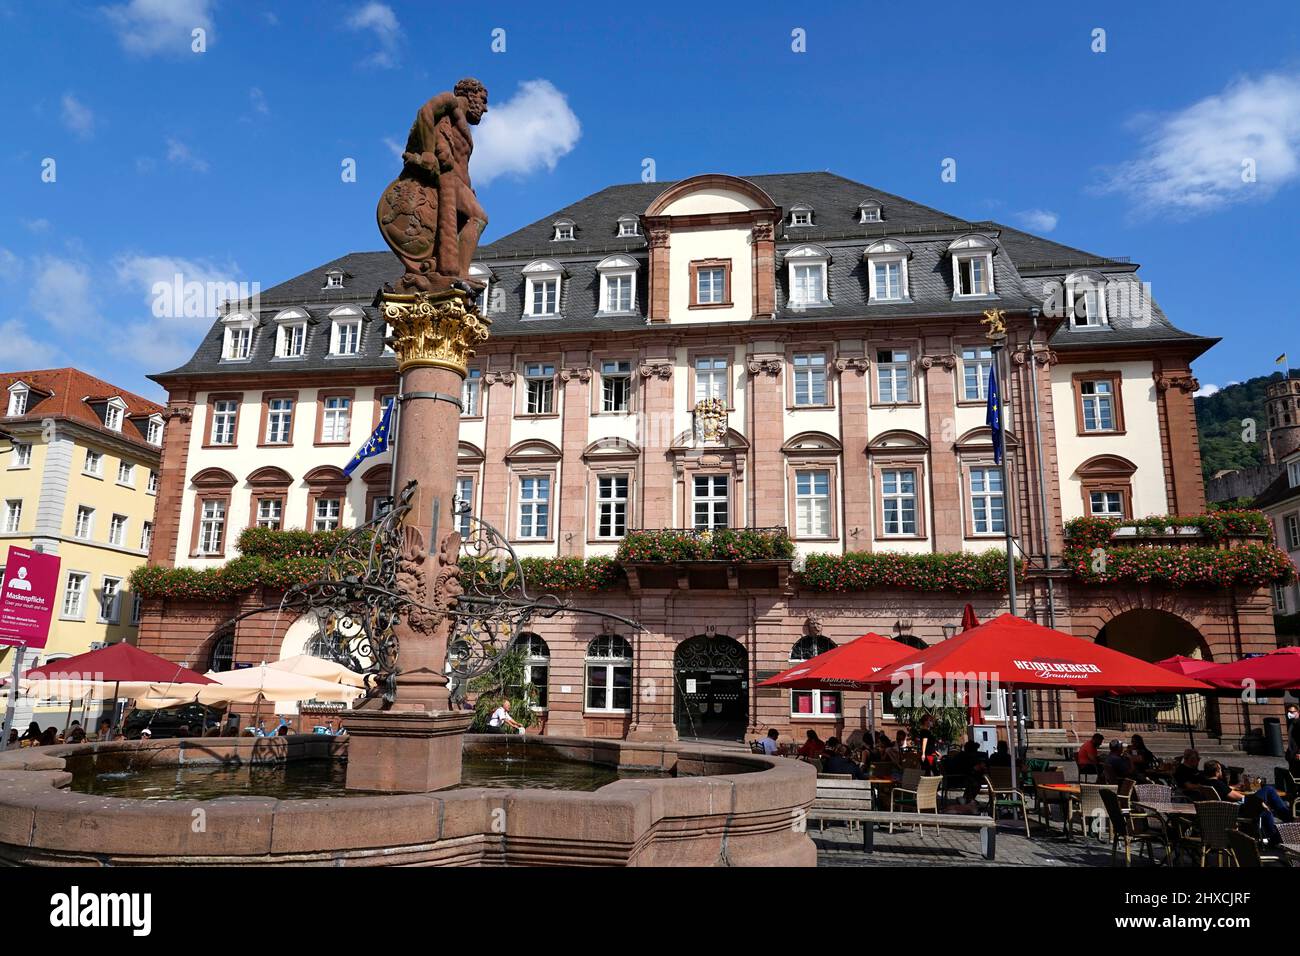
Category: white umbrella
[246,685]
[321,669]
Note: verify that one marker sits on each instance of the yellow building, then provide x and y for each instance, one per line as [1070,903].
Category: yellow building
[79,463]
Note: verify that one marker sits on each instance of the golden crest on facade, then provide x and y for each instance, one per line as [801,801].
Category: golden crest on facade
[710,420]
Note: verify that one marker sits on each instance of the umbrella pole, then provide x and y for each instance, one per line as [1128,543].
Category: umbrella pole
[1187,716]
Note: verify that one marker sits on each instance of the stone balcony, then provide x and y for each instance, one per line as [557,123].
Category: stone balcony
[727,559]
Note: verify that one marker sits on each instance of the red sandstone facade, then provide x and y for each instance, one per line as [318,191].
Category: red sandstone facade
[602,411]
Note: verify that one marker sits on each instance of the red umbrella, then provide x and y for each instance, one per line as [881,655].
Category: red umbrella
[121,663]
[1187,666]
[1014,652]
[968,619]
[1279,670]
[846,667]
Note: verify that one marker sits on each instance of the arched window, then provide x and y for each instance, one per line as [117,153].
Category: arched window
[223,653]
[813,704]
[609,675]
[537,667]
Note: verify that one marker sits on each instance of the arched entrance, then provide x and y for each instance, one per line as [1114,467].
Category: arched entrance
[711,688]
[1153,635]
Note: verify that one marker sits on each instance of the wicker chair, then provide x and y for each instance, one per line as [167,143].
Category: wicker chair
[1003,793]
[1215,819]
[1288,787]
[1089,807]
[1290,833]
[908,791]
[1201,793]
[1153,793]
[1130,828]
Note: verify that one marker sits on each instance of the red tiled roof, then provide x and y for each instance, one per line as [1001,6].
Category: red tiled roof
[67,393]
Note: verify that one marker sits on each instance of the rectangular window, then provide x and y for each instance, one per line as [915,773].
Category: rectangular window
[534,507]
[893,376]
[546,296]
[810,378]
[809,285]
[976,360]
[815,703]
[293,340]
[539,394]
[239,342]
[710,285]
[615,386]
[113,418]
[13,515]
[153,482]
[224,412]
[146,536]
[972,276]
[347,338]
[471,390]
[1098,402]
[117,530]
[711,378]
[126,473]
[710,502]
[85,523]
[609,687]
[1106,504]
[155,434]
[22,455]
[812,503]
[1292,532]
[889,280]
[94,463]
[279,421]
[110,595]
[18,402]
[326,514]
[212,526]
[465,506]
[336,422]
[136,602]
[270,513]
[986,501]
[611,506]
[618,293]
[74,595]
[898,500]
[1293,473]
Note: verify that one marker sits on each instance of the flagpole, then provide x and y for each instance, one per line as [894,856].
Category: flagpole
[392,447]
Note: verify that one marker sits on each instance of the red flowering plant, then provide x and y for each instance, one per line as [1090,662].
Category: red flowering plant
[888,570]
[668,545]
[1215,527]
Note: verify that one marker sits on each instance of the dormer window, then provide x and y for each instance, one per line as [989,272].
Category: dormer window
[482,273]
[1293,473]
[563,230]
[542,279]
[291,334]
[887,270]
[628,226]
[1085,295]
[238,342]
[808,265]
[972,267]
[345,330]
[801,215]
[153,432]
[19,395]
[334,279]
[870,211]
[114,412]
[617,284]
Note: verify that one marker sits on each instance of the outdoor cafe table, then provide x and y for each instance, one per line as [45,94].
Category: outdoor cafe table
[1164,809]
[1064,793]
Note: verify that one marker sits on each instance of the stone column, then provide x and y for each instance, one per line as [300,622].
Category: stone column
[1184,483]
[572,519]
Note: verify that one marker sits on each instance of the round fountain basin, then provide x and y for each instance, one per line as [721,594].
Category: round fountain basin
[523,800]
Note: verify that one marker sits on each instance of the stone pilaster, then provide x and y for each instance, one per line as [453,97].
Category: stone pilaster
[576,377]
[765,422]
[498,392]
[179,423]
[855,474]
[1184,483]
[654,426]
[939,364]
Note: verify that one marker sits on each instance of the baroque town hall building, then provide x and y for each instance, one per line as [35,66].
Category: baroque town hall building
[796,352]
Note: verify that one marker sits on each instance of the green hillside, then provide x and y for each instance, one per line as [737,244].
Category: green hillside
[1219,418]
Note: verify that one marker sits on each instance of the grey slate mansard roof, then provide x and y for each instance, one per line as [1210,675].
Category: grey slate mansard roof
[1022,267]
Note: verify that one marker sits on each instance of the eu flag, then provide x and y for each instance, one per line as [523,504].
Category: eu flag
[378,442]
[993,418]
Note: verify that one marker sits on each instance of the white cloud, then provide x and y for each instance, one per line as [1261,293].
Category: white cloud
[1192,161]
[62,294]
[380,20]
[396,148]
[1038,220]
[78,117]
[181,155]
[258,99]
[533,129]
[1205,391]
[18,349]
[10,266]
[37,226]
[163,341]
[146,27]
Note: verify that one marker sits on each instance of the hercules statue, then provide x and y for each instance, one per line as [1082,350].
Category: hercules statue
[429,215]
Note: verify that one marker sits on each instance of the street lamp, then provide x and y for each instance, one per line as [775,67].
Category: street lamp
[949,630]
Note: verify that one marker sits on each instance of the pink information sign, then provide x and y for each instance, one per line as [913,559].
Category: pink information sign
[31,580]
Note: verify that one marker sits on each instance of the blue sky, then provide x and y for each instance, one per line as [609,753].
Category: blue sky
[226,163]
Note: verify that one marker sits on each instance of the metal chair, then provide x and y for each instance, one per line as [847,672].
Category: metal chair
[906,790]
[1130,827]
[1003,793]
[1043,799]
[1089,807]
[1288,787]
[1215,819]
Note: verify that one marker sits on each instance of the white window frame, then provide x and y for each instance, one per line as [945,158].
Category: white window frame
[983,493]
[270,517]
[714,502]
[78,611]
[152,487]
[981,364]
[1293,473]
[1292,523]
[154,430]
[897,371]
[865,210]
[540,375]
[291,340]
[117,530]
[84,530]
[333,279]
[801,215]
[279,421]
[13,515]
[816,261]
[612,501]
[110,612]
[534,508]
[1117,512]
[471,394]
[817,697]
[893,498]
[146,536]
[19,399]
[114,414]
[345,331]
[20,455]
[212,526]
[1095,400]
[984,261]
[874,280]
[1090,289]
[717,291]
[563,231]
[628,226]
[127,468]
[606,664]
[611,371]
[807,370]
[93,464]
[465,492]
[225,415]
[714,380]
[336,409]
[327,513]
[237,338]
[482,301]
[813,506]
[539,273]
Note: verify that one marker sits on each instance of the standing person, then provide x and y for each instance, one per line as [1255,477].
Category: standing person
[501,722]
[925,739]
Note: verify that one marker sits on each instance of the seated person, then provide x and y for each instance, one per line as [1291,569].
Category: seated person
[1273,804]
[769,744]
[837,761]
[1188,769]
[1117,766]
[969,765]
[1144,761]
[812,748]
[1088,757]
[1001,756]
